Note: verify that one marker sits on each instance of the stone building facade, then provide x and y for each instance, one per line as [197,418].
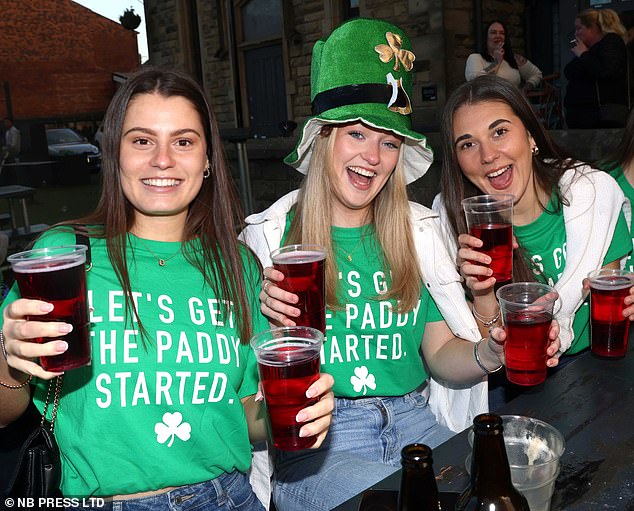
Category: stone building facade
[441,33]
[222,42]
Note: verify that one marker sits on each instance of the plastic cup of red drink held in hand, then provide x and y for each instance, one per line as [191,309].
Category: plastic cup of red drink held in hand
[288,363]
[609,329]
[57,275]
[304,267]
[490,219]
[527,313]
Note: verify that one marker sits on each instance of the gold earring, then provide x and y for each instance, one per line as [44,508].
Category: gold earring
[207,171]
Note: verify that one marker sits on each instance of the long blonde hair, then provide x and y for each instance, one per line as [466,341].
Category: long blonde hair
[607,20]
[390,215]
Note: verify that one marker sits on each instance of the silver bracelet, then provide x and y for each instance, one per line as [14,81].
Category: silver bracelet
[4,348]
[479,362]
[486,322]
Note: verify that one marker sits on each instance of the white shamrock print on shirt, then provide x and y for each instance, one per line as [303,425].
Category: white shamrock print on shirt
[172,426]
[362,379]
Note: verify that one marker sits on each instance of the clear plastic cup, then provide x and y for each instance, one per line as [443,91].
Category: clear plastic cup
[288,363]
[58,275]
[534,449]
[490,219]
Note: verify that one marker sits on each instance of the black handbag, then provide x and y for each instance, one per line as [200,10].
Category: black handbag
[38,471]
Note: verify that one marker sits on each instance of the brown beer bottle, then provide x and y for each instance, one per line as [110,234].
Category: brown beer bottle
[491,488]
[418,484]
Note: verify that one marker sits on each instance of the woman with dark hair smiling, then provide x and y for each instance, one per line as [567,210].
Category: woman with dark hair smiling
[566,218]
[173,298]
[497,58]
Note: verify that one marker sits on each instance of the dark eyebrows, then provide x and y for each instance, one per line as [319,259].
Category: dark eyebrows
[461,138]
[497,122]
[493,125]
[176,133]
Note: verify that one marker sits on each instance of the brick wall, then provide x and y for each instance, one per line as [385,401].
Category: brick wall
[58,58]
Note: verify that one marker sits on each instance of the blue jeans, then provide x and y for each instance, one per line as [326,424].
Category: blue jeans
[224,493]
[363,447]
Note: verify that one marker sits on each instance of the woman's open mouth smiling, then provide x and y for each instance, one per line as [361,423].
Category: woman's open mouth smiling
[501,178]
[360,177]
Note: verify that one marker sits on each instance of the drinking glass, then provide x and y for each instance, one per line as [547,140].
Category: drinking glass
[609,329]
[57,275]
[490,218]
[304,268]
[288,363]
[527,312]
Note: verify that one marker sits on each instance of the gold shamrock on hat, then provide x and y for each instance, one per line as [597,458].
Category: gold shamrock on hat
[393,50]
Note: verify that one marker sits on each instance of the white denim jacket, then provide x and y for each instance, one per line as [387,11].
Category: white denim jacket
[595,201]
[454,406]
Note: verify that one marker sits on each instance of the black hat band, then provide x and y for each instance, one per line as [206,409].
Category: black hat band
[354,95]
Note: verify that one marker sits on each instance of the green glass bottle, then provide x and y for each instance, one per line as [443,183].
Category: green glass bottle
[491,488]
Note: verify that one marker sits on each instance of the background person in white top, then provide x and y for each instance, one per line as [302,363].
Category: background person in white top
[11,138]
[497,58]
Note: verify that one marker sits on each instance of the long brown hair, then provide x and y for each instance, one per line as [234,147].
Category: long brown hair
[213,218]
[548,166]
[390,215]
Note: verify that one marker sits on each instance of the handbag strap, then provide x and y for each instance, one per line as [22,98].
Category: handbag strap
[58,390]
[82,239]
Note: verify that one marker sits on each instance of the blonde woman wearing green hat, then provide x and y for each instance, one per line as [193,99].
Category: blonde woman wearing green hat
[392,289]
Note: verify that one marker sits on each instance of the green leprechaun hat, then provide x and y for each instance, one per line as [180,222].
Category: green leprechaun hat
[363,72]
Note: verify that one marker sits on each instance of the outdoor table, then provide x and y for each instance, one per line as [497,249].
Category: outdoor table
[591,401]
[18,193]
[30,173]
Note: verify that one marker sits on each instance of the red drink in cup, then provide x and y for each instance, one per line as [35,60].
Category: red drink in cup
[497,243]
[525,347]
[288,363]
[527,313]
[57,275]
[608,327]
[490,218]
[303,267]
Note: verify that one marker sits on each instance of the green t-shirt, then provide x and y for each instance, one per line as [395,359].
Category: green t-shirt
[167,414]
[544,241]
[628,190]
[370,349]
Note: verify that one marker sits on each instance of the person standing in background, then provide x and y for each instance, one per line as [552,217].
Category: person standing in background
[598,73]
[498,59]
[12,140]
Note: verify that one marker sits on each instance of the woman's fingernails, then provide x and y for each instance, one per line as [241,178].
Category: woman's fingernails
[61,346]
[46,307]
[301,417]
[65,328]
